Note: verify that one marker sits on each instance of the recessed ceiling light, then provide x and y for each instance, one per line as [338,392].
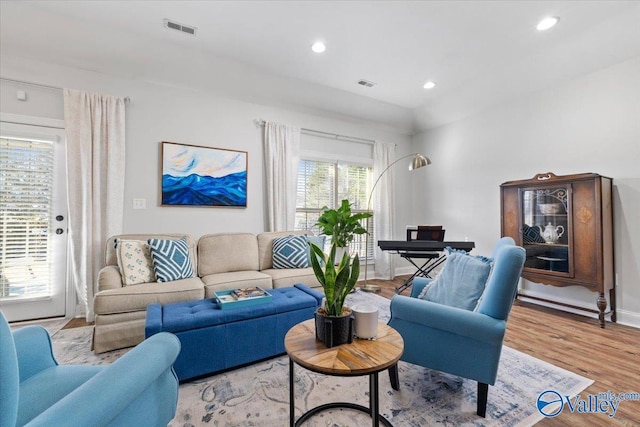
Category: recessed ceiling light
[318,47]
[547,23]
[429,85]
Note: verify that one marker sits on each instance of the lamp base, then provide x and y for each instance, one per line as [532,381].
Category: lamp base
[371,288]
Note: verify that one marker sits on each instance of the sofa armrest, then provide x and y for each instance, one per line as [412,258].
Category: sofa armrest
[142,379]
[109,277]
[33,347]
[454,320]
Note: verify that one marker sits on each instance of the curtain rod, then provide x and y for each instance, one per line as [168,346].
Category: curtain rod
[126,98]
[329,135]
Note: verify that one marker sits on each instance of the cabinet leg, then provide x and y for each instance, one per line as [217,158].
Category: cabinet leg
[602,306]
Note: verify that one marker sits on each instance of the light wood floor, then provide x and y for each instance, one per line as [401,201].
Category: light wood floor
[610,356]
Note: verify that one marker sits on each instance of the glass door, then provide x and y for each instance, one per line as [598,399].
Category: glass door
[33,222]
[546,230]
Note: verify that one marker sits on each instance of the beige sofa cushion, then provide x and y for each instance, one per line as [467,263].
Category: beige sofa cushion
[227,252]
[135,298]
[285,277]
[265,245]
[234,280]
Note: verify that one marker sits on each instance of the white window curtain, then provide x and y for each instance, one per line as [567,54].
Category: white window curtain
[95,127]
[383,208]
[281,157]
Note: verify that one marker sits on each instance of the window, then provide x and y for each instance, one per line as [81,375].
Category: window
[26,186]
[326,183]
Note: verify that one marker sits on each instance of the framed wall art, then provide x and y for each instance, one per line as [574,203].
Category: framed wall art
[203,176]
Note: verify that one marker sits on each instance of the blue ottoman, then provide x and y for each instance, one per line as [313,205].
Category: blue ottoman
[214,340]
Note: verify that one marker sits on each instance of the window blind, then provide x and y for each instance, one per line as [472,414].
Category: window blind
[322,184]
[26,189]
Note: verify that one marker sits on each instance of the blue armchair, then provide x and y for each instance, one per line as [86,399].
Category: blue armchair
[138,389]
[457,341]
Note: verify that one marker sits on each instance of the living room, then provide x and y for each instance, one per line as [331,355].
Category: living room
[478,134]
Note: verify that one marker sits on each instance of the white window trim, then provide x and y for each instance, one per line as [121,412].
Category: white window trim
[320,156]
[20,119]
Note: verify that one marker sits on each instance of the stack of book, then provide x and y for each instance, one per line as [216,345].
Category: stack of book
[243,297]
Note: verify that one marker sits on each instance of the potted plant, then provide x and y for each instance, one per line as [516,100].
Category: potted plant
[334,321]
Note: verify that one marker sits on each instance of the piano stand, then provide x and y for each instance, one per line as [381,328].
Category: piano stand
[433,259]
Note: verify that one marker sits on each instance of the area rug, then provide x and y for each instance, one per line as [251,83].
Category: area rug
[258,395]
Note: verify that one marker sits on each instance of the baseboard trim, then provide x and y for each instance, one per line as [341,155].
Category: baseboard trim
[623,317]
[628,318]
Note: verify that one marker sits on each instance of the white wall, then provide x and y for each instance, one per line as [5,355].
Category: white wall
[163,113]
[590,124]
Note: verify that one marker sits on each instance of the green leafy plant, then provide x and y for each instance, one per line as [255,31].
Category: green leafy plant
[341,224]
[337,281]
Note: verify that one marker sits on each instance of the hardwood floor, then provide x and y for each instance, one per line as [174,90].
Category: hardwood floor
[610,356]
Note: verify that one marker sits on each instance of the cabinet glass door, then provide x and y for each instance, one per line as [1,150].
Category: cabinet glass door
[545,229]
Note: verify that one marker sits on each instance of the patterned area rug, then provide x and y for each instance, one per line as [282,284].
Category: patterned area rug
[258,395]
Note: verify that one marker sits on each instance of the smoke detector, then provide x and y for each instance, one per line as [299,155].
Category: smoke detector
[173,25]
[366,83]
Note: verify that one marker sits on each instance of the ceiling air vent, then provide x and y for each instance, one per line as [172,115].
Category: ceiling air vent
[173,25]
[366,83]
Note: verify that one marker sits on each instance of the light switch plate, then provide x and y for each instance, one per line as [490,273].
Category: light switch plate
[139,203]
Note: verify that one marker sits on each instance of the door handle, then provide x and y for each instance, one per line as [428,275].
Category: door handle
[59,218]
[59,231]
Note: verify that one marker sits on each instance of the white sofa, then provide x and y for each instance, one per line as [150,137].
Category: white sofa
[222,261]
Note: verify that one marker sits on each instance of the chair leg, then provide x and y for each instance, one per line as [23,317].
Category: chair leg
[393,377]
[483,391]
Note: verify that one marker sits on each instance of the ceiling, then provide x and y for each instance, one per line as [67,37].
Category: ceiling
[480,53]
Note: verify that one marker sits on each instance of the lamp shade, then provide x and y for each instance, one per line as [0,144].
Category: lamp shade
[419,161]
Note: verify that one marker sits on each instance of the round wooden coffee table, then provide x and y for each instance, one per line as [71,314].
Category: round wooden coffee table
[361,357]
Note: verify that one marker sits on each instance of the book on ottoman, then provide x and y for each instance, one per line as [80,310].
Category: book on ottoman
[243,297]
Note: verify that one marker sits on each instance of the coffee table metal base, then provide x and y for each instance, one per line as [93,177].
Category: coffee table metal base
[372,410]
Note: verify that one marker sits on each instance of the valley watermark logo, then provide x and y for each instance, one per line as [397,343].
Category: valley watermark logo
[551,403]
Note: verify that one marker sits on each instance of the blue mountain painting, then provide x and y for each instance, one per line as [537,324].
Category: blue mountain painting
[229,190]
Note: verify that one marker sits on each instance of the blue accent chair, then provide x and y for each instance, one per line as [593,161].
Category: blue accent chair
[138,389]
[457,341]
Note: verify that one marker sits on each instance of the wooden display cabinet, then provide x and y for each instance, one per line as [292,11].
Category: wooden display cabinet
[565,224]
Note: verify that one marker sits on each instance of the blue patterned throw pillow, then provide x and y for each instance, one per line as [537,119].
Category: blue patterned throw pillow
[461,282]
[171,259]
[290,252]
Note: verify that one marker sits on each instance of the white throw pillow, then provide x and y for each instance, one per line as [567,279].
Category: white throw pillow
[134,261]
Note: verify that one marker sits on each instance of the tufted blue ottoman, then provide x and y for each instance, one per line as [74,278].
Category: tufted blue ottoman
[213,339]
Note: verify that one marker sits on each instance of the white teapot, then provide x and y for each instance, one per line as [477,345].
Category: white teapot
[551,234]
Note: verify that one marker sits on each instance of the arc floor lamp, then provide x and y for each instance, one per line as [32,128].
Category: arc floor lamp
[417,161]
